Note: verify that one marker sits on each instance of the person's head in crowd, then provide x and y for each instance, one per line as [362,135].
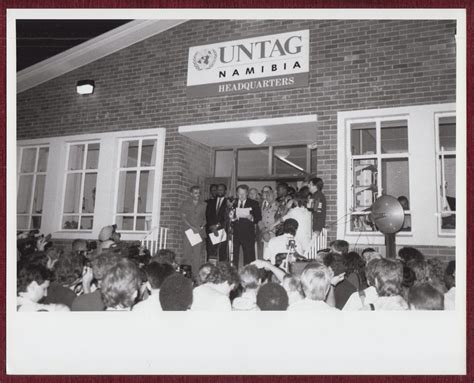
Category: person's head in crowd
[156,273]
[102,263]
[195,192]
[315,184]
[250,278]
[291,191]
[79,247]
[120,285]
[105,245]
[290,226]
[253,194]
[404,202]
[370,272]
[204,272]
[425,297]
[106,233]
[165,256]
[300,199]
[450,275]
[282,190]
[354,263]
[213,190]
[420,268]
[388,277]
[292,286]
[33,282]
[176,293]
[221,190]
[268,194]
[36,258]
[436,274]
[224,277]
[68,269]
[339,246]
[272,297]
[406,254]
[242,192]
[316,281]
[368,254]
[409,277]
[304,192]
[53,254]
[336,262]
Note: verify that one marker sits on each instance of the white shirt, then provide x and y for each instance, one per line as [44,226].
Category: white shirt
[303,217]
[311,305]
[354,302]
[207,298]
[393,303]
[247,301]
[278,245]
[219,203]
[450,299]
[151,304]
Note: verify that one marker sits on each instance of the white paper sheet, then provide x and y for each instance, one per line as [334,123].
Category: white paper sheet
[243,212]
[221,237]
[193,238]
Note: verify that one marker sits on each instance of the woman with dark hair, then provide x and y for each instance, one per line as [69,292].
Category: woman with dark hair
[355,270]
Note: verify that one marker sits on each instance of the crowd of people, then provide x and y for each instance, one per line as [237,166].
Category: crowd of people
[113,275]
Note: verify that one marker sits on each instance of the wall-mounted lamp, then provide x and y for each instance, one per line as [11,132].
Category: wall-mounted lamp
[257,138]
[85,87]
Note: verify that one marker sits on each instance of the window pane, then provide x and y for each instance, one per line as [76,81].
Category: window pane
[73,193]
[148,153]
[25,190]
[448,192]
[124,223]
[145,192]
[70,222]
[28,160]
[395,180]
[86,222]
[394,136]
[39,194]
[224,163]
[22,222]
[126,192]
[314,161]
[93,156]
[88,202]
[252,162]
[143,223]
[361,223]
[43,159]
[129,154]
[363,138]
[447,133]
[365,183]
[406,223]
[289,160]
[76,157]
[36,222]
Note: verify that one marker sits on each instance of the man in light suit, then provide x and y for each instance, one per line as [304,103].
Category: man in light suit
[267,224]
[216,216]
[244,227]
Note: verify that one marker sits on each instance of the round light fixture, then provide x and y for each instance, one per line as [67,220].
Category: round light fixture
[257,138]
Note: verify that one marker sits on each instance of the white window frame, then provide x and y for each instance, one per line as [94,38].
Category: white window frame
[439,153]
[106,180]
[378,156]
[34,173]
[83,171]
[422,175]
[138,169]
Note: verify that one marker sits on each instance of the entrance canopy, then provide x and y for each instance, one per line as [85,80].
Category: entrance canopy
[277,131]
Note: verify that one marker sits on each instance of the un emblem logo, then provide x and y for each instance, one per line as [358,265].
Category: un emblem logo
[204,59]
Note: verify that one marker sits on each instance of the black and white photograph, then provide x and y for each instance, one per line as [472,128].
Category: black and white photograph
[306,165]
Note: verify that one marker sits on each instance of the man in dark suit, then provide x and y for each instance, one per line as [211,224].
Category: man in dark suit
[216,216]
[244,226]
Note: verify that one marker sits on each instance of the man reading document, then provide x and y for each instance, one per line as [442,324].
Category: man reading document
[245,216]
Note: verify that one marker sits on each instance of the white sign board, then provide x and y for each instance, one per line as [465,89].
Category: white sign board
[271,62]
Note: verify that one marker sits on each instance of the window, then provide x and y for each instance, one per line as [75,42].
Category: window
[93,180]
[136,178]
[31,185]
[446,171]
[379,166]
[80,188]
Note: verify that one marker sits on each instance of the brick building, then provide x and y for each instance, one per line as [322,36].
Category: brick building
[377,115]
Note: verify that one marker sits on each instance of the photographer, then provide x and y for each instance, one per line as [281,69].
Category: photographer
[285,243]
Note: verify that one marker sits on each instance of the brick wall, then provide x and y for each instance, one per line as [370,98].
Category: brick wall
[353,65]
